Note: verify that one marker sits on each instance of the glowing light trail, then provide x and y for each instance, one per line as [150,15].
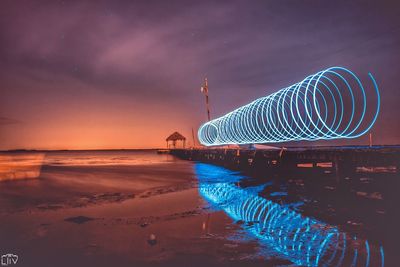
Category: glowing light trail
[330,104]
[303,240]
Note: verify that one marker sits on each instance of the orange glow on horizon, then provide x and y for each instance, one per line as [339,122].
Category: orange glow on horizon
[121,126]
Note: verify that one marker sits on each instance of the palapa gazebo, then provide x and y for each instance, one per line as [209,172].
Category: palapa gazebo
[175,137]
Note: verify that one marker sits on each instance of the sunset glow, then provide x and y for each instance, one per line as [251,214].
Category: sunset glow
[85,75]
[199,133]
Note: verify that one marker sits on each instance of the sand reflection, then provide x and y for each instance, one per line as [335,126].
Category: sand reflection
[20,166]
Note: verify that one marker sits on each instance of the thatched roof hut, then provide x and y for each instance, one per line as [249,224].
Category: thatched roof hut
[175,137]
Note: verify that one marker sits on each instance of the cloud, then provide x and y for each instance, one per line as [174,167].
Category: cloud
[157,53]
[8,121]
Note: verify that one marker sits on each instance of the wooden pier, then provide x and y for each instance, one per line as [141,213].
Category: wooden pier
[339,160]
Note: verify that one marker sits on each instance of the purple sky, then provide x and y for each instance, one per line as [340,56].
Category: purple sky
[125,74]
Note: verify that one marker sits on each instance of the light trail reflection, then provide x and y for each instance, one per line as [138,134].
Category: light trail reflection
[304,241]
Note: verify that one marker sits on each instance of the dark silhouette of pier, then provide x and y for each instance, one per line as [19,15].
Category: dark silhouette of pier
[343,160]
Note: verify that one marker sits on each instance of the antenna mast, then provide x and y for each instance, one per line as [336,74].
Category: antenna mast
[204,90]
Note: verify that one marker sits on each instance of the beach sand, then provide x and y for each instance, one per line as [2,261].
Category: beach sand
[120,209]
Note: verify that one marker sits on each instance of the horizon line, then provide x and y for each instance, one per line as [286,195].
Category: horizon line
[159,148]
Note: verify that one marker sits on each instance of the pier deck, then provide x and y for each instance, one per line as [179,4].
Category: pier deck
[340,160]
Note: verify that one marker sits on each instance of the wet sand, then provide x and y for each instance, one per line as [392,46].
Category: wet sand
[135,208]
[120,209]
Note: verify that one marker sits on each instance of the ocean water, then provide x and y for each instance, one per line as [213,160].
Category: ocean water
[138,208]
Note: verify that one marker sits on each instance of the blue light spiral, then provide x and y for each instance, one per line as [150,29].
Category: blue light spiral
[330,104]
